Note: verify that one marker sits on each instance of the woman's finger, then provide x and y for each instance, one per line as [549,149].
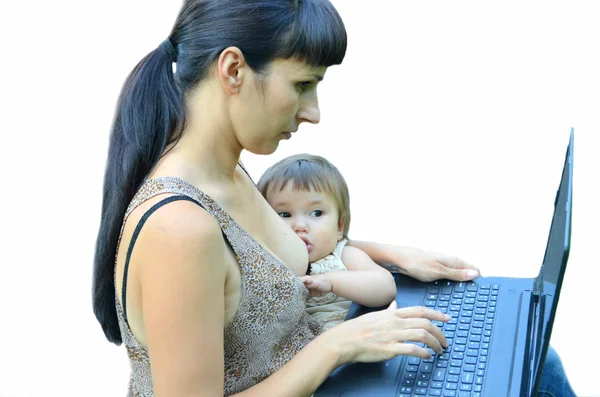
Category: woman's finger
[421,324]
[421,335]
[422,312]
[410,349]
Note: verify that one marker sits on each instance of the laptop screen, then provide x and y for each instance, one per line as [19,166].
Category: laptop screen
[549,281]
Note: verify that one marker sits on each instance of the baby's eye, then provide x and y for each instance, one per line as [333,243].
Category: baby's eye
[316,213]
[284,214]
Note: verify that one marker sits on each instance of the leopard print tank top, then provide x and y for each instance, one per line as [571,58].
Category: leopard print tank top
[271,324]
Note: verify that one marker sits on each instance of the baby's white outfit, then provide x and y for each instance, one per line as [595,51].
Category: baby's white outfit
[329,309]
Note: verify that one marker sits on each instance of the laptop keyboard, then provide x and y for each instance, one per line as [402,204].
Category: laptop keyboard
[460,370]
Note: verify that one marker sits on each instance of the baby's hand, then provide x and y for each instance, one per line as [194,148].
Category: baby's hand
[317,285]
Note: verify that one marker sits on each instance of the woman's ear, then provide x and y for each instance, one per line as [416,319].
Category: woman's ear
[231,69]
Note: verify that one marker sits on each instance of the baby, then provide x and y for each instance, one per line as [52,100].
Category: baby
[312,197]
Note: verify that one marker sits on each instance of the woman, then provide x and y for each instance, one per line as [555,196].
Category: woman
[205,283]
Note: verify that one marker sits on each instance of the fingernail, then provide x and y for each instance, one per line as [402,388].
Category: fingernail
[472,273]
[448,317]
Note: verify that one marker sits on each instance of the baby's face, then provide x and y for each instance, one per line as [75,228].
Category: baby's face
[312,215]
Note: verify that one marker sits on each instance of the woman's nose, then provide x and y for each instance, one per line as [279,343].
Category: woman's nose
[310,112]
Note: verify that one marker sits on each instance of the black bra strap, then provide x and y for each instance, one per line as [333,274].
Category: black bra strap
[246,171]
[134,238]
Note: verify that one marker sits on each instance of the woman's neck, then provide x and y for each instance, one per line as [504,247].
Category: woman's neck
[208,149]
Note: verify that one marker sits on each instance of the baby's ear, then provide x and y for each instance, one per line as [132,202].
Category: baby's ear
[341,225]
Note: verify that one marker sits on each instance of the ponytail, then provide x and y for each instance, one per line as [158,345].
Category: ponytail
[149,115]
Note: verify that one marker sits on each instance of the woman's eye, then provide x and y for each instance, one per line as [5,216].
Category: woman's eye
[305,85]
[284,214]
[317,213]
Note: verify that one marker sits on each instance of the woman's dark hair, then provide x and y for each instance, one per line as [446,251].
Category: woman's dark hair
[150,112]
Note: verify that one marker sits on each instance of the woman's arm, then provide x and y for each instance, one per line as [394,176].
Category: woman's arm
[419,264]
[373,337]
[182,299]
[365,282]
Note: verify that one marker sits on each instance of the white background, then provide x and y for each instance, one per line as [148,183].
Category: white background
[449,120]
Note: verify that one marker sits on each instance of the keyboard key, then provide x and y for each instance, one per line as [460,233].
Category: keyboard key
[481,366]
[471,295]
[479,372]
[444,298]
[461,341]
[434,392]
[458,295]
[447,288]
[450,327]
[483,352]
[472,353]
[426,368]
[465,387]
[414,360]
[454,371]
[424,377]
[452,378]
[476,331]
[485,286]
[484,292]
[464,394]
[471,287]
[458,356]
[469,301]
[437,385]
[408,382]
[410,375]
[459,287]
[412,368]
[467,377]
[420,391]
[451,386]
[477,388]
[462,334]
[473,345]
[439,374]
[449,393]
[469,368]
[471,360]
[407,390]
[441,364]
[429,303]
[460,348]
[479,380]
[475,338]
[423,383]
[456,363]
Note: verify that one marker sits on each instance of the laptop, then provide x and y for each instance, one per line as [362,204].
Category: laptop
[499,332]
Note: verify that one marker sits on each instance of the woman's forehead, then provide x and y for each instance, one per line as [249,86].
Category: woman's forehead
[298,67]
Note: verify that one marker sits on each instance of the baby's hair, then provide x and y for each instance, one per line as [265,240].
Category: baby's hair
[309,172]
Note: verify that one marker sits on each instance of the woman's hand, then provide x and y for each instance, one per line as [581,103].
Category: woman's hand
[430,266]
[381,335]
[416,263]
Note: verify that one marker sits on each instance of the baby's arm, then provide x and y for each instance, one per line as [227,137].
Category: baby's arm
[365,282]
